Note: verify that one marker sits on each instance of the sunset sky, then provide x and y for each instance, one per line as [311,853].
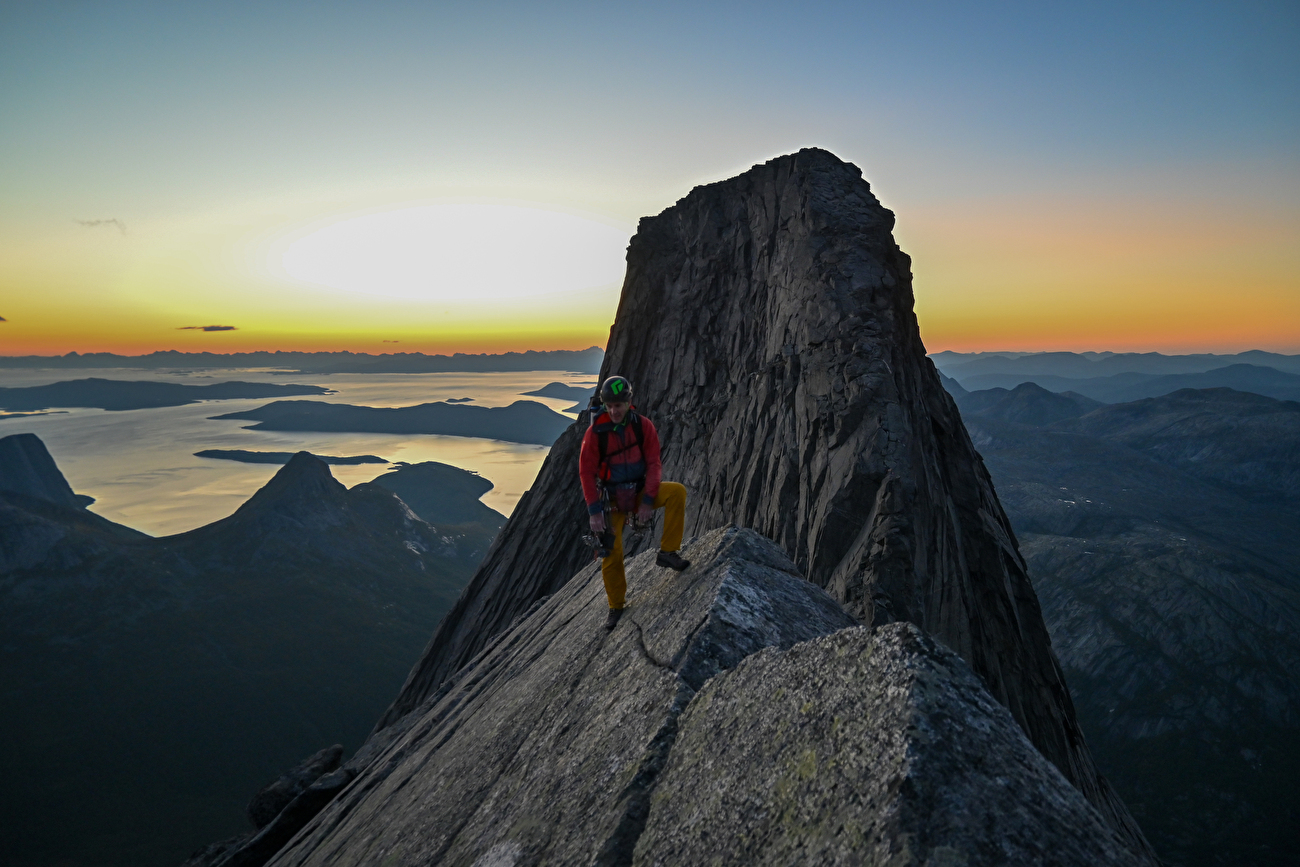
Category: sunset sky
[444,177]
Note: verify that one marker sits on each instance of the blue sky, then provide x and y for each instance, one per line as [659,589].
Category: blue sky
[248,117]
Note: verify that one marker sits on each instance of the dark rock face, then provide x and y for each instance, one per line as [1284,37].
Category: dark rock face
[27,468]
[766,324]
[863,747]
[179,673]
[271,799]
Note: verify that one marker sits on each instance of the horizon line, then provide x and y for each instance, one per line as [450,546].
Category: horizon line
[77,354]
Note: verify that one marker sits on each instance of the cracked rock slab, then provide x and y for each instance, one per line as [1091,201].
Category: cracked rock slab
[546,747]
[866,748]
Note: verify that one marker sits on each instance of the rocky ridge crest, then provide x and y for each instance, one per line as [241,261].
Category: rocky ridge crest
[736,715]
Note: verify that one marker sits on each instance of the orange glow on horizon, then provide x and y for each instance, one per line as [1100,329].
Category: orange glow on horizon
[1011,275]
[231,342]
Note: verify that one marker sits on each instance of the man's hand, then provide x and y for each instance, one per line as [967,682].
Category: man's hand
[598,522]
[644,513]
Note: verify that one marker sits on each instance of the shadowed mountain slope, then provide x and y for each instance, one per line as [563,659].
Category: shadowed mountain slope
[1027,403]
[766,324]
[1160,539]
[1246,441]
[152,684]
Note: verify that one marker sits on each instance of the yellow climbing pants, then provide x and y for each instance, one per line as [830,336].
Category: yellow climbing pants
[672,499]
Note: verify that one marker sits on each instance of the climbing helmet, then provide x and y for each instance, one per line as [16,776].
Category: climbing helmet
[616,390]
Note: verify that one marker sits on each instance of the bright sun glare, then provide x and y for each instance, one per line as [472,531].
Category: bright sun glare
[470,252]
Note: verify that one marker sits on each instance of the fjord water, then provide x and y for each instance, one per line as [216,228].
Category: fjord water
[140,467]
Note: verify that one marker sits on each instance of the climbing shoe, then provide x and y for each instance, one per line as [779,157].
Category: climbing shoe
[672,560]
[612,620]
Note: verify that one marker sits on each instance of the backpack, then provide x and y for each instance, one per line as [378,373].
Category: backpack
[602,439]
[621,497]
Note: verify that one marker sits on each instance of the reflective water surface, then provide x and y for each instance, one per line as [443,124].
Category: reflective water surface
[139,465]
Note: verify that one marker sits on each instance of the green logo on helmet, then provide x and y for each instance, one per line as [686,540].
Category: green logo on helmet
[616,390]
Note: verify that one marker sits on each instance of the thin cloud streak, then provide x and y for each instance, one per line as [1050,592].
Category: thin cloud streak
[207,328]
[95,224]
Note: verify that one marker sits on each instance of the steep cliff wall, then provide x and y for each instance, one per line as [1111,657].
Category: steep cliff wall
[766,324]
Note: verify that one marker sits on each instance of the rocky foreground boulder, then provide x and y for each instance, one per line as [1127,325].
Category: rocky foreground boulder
[766,324]
[863,747]
[736,715]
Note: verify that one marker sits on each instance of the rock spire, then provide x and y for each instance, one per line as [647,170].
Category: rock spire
[766,324]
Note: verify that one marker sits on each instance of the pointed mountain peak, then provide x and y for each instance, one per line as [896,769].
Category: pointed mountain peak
[303,483]
[26,467]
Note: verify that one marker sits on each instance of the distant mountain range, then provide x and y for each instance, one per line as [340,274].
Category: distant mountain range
[563,392]
[247,457]
[181,673]
[1085,365]
[1161,539]
[116,394]
[1123,387]
[1116,378]
[524,421]
[581,361]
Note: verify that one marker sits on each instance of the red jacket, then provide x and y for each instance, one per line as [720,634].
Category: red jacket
[625,461]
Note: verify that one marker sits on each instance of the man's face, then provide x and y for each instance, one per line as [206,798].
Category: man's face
[617,410]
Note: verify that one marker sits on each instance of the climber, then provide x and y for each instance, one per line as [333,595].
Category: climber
[620,471]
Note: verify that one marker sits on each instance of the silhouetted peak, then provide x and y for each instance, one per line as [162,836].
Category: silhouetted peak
[304,482]
[27,468]
[1027,389]
[1027,403]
